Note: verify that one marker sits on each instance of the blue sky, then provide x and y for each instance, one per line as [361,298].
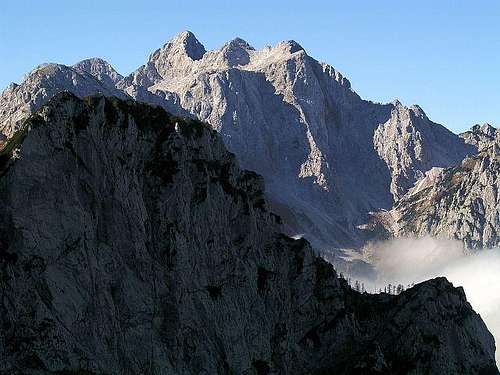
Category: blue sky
[443,55]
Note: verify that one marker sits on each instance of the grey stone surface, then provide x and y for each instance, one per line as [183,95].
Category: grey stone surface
[327,156]
[40,85]
[481,135]
[101,70]
[132,243]
[461,202]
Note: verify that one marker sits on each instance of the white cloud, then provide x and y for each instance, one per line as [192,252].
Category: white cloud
[410,260]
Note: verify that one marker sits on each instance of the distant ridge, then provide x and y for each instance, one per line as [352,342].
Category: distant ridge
[329,158]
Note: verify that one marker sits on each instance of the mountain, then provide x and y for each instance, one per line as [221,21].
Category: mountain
[41,84]
[151,251]
[461,202]
[481,136]
[328,157]
[101,70]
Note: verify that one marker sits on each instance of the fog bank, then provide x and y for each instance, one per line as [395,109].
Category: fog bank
[407,261]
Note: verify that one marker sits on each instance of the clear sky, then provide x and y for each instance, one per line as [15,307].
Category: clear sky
[443,55]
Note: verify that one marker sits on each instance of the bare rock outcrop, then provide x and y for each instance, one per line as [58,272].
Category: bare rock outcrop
[327,156]
[461,202]
[101,70]
[481,136]
[17,102]
[131,242]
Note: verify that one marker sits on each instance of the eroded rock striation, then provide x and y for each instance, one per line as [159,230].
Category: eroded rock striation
[462,202]
[17,102]
[327,156]
[101,70]
[131,242]
[481,136]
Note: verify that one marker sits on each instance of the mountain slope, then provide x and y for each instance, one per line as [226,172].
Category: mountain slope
[481,136]
[462,202]
[327,156]
[39,86]
[152,252]
[101,70]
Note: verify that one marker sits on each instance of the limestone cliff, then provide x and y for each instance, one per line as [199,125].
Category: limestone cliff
[481,136]
[327,156]
[132,243]
[461,202]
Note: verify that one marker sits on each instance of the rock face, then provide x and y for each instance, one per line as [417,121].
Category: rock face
[152,252]
[42,83]
[481,136]
[327,156]
[411,145]
[101,70]
[462,202]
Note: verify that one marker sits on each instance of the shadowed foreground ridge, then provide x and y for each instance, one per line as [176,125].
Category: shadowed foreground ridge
[132,243]
[329,158]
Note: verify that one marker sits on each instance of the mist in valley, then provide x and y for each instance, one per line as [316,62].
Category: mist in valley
[409,260]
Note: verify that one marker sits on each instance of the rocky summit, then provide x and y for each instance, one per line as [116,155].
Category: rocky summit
[481,136]
[131,242]
[328,157]
[461,202]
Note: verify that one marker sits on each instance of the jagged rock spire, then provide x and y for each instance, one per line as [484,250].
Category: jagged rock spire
[186,43]
[236,52]
[100,69]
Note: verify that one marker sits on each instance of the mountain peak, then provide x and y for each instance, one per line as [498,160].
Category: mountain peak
[96,61]
[238,43]
[187,43]
[291,46]
[46,67]
[100,69]
[235,52]
[46,71]
[396,103]
[415,109]
[481,136]
[488,129]
[484,129]
[418,111]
